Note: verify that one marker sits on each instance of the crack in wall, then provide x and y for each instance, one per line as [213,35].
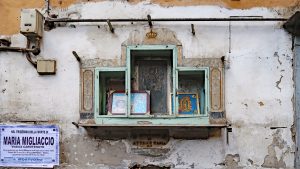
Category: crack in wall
[277,56]
[278,82]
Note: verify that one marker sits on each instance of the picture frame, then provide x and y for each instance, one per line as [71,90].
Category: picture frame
[188,104]
[117,103]
[140,103]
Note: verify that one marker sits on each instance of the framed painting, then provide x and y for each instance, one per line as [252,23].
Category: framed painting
[140,103]
[188,104]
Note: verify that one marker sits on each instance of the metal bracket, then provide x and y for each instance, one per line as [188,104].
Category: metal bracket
[228,129]
[76,56]
[75,124]
[149,21]
[110,26]
[193,29]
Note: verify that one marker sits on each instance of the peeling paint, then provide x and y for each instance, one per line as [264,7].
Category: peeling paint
[273,159]
[232,161]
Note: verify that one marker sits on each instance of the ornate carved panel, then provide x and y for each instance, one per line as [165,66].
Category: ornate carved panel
[87,92]
[216,89]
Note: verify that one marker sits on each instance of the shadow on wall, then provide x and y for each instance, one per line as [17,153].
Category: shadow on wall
[150,166]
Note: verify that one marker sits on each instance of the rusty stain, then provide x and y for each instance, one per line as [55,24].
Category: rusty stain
[261,103]
[278,82]
[215,132]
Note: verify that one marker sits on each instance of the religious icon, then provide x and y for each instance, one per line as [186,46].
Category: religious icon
[188,103]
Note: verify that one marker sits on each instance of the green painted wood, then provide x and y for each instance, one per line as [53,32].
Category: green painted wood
[96,94]
[128,80]
[207,92]
[100,87]
[166,120]
[191,121]
[149,47]
[175,83]
[206,85]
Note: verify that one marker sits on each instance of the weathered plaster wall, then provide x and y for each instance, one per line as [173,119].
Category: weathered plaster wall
[258,89]
[11,8]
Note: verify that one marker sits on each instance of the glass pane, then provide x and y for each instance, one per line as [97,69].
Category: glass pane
[152,73]
[112,98]
[191,92]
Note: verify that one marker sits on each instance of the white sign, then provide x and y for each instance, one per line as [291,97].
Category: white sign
[29,145]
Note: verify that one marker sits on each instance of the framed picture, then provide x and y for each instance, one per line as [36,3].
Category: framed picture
[188,104]
[117,103]
[140,103]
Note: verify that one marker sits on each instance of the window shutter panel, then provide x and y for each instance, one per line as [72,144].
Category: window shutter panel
[216,89]
[87,94]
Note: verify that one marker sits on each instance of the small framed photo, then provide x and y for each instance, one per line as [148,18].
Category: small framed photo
[188,104]
[140,103]
[117,103]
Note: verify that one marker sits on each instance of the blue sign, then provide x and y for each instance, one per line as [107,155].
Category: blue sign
[29,145]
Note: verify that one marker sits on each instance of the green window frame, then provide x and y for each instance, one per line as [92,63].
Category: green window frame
[161,120]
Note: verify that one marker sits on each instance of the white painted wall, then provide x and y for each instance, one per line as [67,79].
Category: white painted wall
[260,54]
